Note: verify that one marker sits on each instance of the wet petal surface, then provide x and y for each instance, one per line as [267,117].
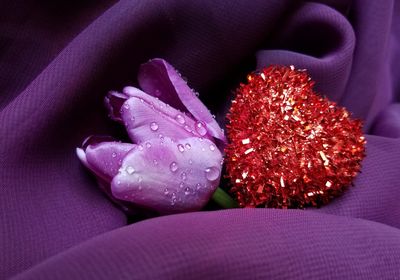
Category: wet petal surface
[169,176]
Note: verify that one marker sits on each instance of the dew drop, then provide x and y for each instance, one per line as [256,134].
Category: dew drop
[187,191]
[198,186]
[212,147]
[155,161]
[190,161]
[173,201]
[130,170]
[212,173]
[140,147]
[126,105]
[140,179]
[180,119]
[166,192]
[148,145]
[201,128]
[114,154]
[187,146]
[154,126]
[187,128]
[183,176]
[181,148]
[173,166]
[181,185]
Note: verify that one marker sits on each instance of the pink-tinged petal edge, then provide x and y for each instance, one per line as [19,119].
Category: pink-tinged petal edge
[159,79]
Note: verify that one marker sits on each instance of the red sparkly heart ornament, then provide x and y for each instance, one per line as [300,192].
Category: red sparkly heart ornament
[288,146]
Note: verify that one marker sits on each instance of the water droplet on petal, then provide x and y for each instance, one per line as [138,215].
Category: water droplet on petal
[114,154]
[166,191]
[212,173]
[187,191]
[180,119]
[181,185]
[188,147]
[130,170]
[187,128]
[154,126]
[198,186]
[181,148]
[126,105]
[148,145]
[173,166]
[140,147]
[140,179]
[183,176]
[155,161]
[201,128]
[132,119]
[212,147]
[190,161]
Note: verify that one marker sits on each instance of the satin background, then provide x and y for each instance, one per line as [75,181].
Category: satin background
[58,60]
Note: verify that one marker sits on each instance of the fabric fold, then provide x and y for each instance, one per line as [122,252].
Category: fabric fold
[57,62]
[234,244]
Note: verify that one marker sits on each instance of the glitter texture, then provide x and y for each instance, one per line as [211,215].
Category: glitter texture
[288,146]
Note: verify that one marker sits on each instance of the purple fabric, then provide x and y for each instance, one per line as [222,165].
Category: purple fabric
[57,62]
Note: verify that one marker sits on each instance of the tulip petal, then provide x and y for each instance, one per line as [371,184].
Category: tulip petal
[104,159]
[147,117]
[160,79]
[114,101]
[169,176]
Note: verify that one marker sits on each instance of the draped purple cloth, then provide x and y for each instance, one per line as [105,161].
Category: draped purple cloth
[57,61]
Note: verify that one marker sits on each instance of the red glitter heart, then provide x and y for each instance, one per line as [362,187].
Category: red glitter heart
[288,146]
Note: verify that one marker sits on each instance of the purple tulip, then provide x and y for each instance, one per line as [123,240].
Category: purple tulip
[174,163]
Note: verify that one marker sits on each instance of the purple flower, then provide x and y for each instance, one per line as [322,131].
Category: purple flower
[174,163]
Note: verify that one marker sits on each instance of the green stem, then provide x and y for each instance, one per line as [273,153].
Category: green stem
[223,199]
